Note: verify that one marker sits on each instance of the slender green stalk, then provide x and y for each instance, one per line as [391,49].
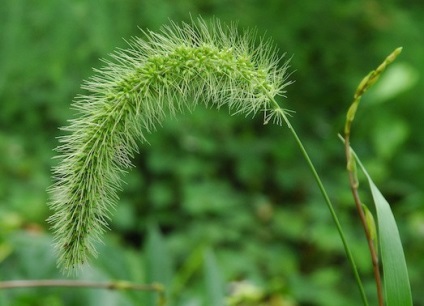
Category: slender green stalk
[353,182]
[279,116]
[363,86]
[114,285]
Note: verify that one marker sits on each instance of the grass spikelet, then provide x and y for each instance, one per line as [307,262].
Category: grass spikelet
[160,74]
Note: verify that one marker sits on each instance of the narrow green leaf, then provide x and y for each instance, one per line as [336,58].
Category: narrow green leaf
[396,280]
[213,280]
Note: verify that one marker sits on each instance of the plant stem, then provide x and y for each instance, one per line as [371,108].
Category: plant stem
[368,81]
[354,188]
[115,285]
[327,201]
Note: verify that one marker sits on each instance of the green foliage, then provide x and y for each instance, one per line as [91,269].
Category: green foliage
[267,227]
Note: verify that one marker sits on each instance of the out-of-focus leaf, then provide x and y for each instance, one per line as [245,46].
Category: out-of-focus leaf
[399,78]
[159,263]
[389,134]
[213,280]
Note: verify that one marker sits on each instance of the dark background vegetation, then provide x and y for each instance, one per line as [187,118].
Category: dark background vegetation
[217,199]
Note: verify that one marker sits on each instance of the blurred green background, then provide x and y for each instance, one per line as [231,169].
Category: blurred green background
[218,203]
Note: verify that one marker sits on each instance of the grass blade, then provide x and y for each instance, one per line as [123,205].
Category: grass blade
[396,281]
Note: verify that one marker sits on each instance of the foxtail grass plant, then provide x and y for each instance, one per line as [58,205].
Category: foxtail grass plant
[158,75]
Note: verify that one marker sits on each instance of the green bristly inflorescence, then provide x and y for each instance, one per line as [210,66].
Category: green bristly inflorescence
[162,73]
